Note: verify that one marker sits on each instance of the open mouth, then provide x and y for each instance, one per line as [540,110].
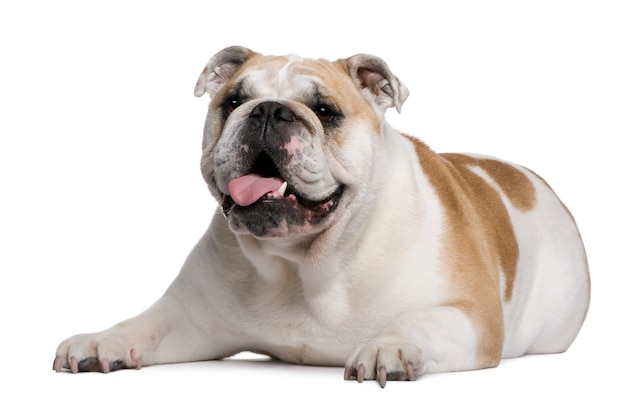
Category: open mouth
[263,189]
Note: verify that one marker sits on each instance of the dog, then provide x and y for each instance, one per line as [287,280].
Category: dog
[340,241]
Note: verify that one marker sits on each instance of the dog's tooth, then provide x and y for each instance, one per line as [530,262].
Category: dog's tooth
[282,189]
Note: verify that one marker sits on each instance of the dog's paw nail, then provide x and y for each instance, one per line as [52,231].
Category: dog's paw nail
[73,365]
[105,366]
[58,364]
[382,376]
[411,372]
[360,373]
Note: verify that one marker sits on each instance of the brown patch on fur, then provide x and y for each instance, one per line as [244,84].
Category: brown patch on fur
[518,189]
[479,238]
[336,76]
[515,185]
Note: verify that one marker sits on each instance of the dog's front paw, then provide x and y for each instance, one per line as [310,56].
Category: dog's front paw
[95,353]
[383,362]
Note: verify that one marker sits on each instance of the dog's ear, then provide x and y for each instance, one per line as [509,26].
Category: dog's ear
[220,68]
[376,81]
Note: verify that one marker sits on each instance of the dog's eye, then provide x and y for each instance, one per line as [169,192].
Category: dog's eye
[325,113]
[230,104]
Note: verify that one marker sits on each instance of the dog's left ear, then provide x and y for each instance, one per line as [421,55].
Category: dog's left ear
[220,68]
[376,81]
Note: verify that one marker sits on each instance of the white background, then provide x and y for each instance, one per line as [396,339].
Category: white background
[101,196]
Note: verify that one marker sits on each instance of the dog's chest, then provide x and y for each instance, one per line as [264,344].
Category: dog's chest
[290,325]
[299,337]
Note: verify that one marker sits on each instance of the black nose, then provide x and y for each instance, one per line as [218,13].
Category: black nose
[272,112]
[269,128]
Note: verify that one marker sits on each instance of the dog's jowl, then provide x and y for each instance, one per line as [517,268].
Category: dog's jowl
[340,241]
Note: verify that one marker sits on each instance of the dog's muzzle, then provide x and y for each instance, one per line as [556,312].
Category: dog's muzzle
[263,196]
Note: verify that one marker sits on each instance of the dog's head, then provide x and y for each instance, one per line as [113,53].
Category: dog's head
[289,142]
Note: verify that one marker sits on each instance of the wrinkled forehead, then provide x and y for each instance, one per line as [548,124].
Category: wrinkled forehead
[291,77]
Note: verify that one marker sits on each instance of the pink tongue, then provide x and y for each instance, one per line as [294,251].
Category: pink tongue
[247,189]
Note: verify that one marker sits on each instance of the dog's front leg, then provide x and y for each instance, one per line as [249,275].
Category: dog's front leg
[162,334]
[439,339]
[189,323]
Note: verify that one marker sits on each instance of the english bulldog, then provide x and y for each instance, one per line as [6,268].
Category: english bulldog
[340,241]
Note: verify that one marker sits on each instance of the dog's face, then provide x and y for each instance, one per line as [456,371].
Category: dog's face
[291,143]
